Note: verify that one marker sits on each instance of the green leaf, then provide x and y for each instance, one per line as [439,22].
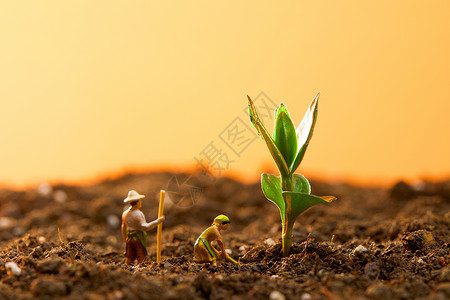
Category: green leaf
[271,186]
[301,202]
[305,132]
[301,184]
[264,134]
[284,134]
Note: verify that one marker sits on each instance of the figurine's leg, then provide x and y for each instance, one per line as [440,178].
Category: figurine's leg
[214,262]
[202,255]
[141,253]
[131,254]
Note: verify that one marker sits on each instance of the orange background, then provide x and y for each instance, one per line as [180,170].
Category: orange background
[90,88]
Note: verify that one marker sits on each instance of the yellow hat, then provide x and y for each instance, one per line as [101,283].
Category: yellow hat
[222,219]
[133,196]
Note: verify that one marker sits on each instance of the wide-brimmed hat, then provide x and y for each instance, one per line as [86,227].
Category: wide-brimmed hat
[133,196]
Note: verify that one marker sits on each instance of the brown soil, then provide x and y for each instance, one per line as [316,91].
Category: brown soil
[369,244]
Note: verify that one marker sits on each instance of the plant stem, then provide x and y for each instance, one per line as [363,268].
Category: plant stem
[287,237]
[287,185]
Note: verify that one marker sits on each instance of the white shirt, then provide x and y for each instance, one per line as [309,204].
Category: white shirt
[135,220]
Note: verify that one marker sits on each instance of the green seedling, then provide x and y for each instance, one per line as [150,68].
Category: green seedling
[290,192]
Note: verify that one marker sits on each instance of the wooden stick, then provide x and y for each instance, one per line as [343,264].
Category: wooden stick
[159,233]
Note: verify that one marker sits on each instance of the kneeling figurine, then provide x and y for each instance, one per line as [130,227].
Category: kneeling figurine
[204,252]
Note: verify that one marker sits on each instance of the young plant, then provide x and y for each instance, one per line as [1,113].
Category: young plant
[290,192]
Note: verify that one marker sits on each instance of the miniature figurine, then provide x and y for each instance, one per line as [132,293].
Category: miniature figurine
[134,229]
[204,252]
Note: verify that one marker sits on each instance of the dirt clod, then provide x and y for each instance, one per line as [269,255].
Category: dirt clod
[372,270]
[418,240]
[48,287]
[51,266]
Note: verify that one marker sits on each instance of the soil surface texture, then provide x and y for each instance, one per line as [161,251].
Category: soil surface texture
[64,242]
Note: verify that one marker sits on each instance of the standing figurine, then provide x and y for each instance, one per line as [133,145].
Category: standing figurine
[204,252]
[134,229]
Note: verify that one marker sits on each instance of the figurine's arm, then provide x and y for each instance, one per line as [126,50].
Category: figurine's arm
[213,248]
[124,231]
[124,227]
[222,252]
[149,226]
[219,241]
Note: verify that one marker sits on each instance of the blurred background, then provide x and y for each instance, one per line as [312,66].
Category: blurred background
[94,88]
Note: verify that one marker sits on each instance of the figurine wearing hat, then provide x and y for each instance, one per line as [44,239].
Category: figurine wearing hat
[134,228]
[204,252]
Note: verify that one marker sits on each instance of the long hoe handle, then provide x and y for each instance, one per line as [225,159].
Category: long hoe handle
[159,232]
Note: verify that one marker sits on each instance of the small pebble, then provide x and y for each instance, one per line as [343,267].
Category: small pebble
[166,264]
[228,251]
[275,276]
[116,295]
[6,222]
[44,189]
[111,240]
[276,295]
[418,185]
[60,196]
[242,248]
[12,269]
[113,221]
[359,250]
[306,296]
[269,242]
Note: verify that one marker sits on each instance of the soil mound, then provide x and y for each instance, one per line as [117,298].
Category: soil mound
[65,242]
